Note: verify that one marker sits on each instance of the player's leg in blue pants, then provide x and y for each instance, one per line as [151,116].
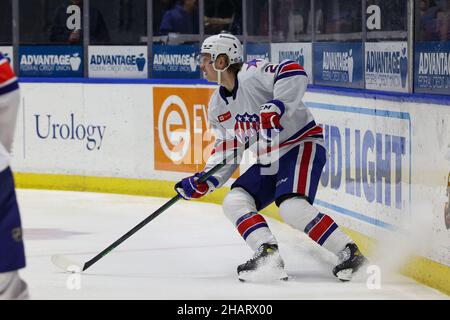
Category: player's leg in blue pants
[293,187]
[12,256]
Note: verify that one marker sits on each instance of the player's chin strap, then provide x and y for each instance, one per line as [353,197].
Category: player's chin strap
[219,72]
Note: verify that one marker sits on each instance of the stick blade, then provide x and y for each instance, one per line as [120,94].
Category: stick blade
[66,264]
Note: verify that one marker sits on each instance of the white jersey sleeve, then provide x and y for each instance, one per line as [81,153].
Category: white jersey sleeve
[289,85]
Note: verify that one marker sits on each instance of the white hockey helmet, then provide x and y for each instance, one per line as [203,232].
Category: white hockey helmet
[223,43]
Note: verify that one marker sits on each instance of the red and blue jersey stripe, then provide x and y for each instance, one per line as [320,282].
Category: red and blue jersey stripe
[289,68]
[8,79]
[250,222]
[311,130]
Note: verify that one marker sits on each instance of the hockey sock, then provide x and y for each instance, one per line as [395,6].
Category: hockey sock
[320,227]
[254,229]
[240,208]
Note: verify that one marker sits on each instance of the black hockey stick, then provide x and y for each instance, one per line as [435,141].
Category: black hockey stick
[67,265]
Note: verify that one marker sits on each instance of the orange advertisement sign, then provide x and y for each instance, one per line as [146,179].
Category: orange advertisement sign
[183,141]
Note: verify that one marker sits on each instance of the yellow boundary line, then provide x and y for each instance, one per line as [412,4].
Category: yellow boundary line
[421,269]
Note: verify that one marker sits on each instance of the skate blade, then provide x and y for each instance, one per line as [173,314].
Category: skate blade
[345,275]
[262,276]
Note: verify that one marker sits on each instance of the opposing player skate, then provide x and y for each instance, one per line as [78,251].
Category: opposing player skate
[350,260]
[266,265]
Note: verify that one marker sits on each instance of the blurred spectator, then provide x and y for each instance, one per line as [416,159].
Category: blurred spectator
[343,18]
[423,7]
[318,17]
[67,25]
[340,16]
[434,20]
[159,9]
[290,19]
[182,18]
[443,20]
[428,13]
[214,25]
[283,10]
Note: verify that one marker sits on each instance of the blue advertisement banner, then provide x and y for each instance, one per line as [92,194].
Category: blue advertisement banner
[257,51]
[338,64]
[432,67]
[51,61]
[175,61]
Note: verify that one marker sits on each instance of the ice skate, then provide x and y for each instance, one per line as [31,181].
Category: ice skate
[350,260]
[266,265]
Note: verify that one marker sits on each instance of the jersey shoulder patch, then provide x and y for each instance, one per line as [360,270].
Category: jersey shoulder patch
[252,66]
[254,71]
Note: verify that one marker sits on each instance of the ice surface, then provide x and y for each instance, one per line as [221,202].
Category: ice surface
[191,251]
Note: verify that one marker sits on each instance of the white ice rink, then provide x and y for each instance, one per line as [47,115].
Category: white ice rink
[191,251]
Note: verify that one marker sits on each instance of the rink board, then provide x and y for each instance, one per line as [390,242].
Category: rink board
[388,169]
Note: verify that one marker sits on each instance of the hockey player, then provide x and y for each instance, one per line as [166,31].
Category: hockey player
[258,96]
[12,256]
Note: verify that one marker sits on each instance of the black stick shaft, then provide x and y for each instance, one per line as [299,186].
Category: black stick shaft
[163,208]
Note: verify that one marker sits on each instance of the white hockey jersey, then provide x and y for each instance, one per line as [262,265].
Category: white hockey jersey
[9,101]
[234,116]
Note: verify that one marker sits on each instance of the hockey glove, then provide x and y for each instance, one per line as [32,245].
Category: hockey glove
[270,115]
[190,188]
